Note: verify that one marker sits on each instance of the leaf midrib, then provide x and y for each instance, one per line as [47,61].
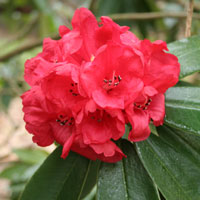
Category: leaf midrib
[173,104]
[63,183]
[167,170]
[125,180]
[84,181]
[190,130]
[188,53]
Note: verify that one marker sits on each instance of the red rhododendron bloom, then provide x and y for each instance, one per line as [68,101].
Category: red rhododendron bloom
[92,81]
[107,82]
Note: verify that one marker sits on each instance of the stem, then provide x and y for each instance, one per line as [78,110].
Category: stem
[92,5]
[189,18]
[152,15]
[125,16]
[23,48]
[196,4]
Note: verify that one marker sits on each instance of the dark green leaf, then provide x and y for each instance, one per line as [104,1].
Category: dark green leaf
[192,140]
[183,109]
[31,156]
[187,50]
[173,164]
[91,178]
[81,181]
[153,129]
[126,179]
[92,194]
[59,179]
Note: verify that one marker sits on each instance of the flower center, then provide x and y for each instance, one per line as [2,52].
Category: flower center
[99,116]
[92,58]
[143,106]
[109,84]
[73,89]
[65,120]
[98,119]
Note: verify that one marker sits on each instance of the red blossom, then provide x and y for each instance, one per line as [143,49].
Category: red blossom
[92,81]
[107,82]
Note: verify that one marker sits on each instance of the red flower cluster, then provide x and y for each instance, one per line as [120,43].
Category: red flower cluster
[86,86]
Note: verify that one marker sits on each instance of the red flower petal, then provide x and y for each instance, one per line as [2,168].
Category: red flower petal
[161,69]
[139,120]
[107,152]
[63,30]
[157,109]
[67,146]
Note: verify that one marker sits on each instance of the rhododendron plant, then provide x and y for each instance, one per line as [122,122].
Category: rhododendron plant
[91,82]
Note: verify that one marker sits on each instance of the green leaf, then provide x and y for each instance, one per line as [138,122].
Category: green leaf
[187,50]
[127,130]
[16,189]
[15,172]
[183,109]
[31,156]
[91,195]
[153,129]
[172,163]
[60,179]
[126,179]
[192,140]
[18,174]
[183,83]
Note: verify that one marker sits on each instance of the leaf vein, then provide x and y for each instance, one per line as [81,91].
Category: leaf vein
[167,170]
[124,178]
[63,183]
[84,181]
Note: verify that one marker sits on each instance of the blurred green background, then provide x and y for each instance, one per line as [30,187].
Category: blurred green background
[23,25]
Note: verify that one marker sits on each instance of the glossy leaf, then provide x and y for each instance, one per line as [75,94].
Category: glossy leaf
[173,164]
[192,140]
[187,50]
[59,179]
[126,179]
[183,109]
[91,195]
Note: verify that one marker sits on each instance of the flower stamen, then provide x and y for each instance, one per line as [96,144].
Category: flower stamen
[143,106]
[74,93]
[92,58]
[63,120]
[109,84]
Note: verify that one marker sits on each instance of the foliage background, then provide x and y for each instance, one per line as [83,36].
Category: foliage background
[23,25]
